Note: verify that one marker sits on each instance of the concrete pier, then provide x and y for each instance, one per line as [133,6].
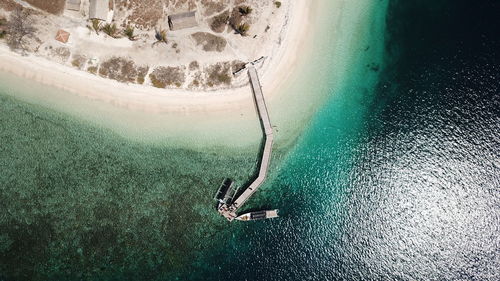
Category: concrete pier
[229,211]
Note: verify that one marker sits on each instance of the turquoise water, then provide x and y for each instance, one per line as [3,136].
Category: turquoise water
[395,177]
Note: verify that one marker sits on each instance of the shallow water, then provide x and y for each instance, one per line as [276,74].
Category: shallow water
[396,177]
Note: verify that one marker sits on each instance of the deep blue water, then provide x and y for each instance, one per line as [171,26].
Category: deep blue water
[397,183]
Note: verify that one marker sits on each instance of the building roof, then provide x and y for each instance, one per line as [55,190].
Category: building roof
[73,5]
[62,36]
[99,9]
[182,20]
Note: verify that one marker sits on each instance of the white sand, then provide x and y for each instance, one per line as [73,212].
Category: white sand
[150,99]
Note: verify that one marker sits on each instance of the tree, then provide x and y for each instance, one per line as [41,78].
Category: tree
[129,32]
[2,27]
[245,10]
[242,29]
[110,29]
[161,36]
[19,27]
[96,25]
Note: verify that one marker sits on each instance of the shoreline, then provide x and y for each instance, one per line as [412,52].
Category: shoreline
[302,74]
[155,100]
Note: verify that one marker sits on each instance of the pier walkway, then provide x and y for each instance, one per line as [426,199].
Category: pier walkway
[229,211]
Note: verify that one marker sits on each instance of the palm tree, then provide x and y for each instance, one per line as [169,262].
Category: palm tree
[242,29]
[245,10]
[96,25]
[110,29]
[129,32]
[161,36]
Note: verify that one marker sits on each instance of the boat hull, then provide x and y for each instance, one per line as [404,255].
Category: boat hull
[258,215]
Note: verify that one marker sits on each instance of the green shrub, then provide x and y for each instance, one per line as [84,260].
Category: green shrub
[218,23]
[96,25]
[245,10]
[129,32]
[76,63]
[161,36]
[92,69]
[243,29]
[156,83]
[277,4]
[110,29]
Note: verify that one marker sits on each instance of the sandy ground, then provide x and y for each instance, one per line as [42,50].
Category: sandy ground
[274,72]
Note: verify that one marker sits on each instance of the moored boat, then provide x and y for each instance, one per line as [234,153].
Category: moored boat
[258,215]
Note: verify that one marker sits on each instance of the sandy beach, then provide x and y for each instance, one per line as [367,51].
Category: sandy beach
[274,72]
[292,78]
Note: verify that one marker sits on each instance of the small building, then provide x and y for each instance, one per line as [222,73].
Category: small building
[182,20]
[99,9]
[62,36]
[73,5]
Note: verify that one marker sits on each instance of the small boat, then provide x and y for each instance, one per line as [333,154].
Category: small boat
[226,192]
[258,215]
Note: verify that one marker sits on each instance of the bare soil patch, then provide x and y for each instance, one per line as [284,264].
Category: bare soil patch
[55,7]
[209,42]
[213,7]
[9,5]
[218,23]
[143,14]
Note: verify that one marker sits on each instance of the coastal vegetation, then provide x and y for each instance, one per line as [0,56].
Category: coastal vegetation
[96,25]
[19,30]
[194,65]
[2,28]
[243,29]
[110,29]
[92,69]
[244,10]
[238,15]
[219,74]
[218,23]
[122,70]
[31,28]
[237,65]
[161,36]
[78,61]
[163,76]
[129,32]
